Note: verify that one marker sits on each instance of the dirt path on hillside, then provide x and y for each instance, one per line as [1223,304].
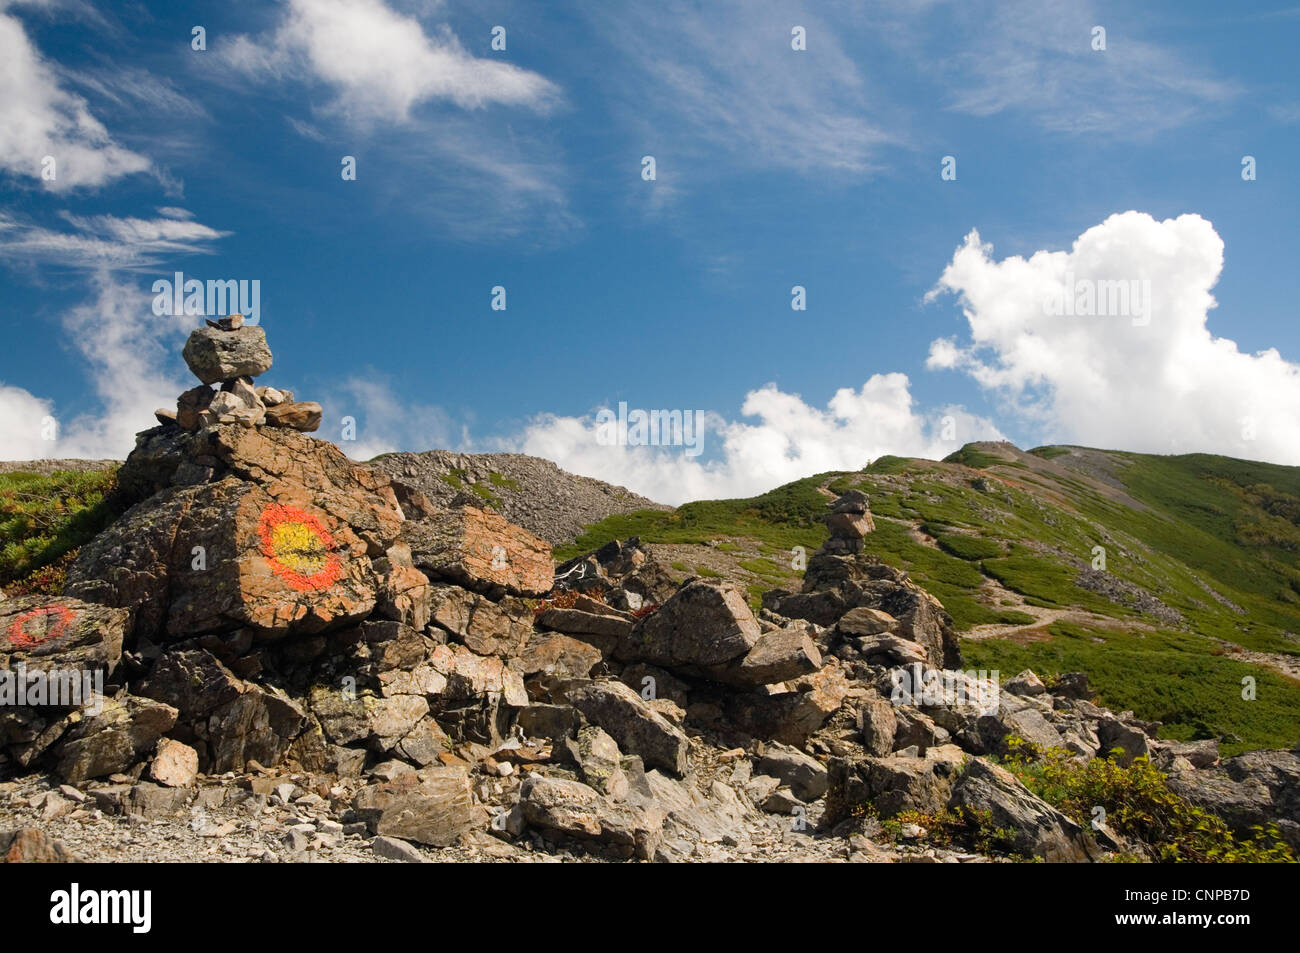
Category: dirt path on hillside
[998,596]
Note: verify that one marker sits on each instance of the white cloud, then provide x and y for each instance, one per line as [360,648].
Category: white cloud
[132,354]
[1166,385]
[39,118]
[722,79]
[384,422]
[106,241]
[133,367]
[382,64]
[1035,57]
[791,439]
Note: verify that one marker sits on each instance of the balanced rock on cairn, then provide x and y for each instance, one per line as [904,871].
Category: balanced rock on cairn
[230,353]
[848,521]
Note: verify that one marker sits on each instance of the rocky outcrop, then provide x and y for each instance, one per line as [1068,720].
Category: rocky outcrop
[279,628]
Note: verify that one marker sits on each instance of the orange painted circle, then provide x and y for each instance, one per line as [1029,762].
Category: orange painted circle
[18,637]
[299,548]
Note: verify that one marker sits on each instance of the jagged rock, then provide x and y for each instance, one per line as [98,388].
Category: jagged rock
[1026,683]
[703,624]
[1040,830]
[650,681]
[1129,739]
[791,716]
[879,723]
[391,848]
[804,774]
[776,657]
[214,557]
[113,740]
[602,630]
[550,721]
[1255,788]
[479,550]
[486,627]
[227,720]
[865,621]
[598,759]
[404,593]
[550,653]
[273,396]
[174,764]
[43,633]
[30,845]
[781,801]
[215,354]
[577,810]
[636,727]
[432,806]
[300,415]
[892,784]
[191,404]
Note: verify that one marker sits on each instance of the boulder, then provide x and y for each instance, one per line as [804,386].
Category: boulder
[634,725]
[42,633]
[892,784]
[776,657]
[215,354]
[804,774]
[486,627]
[218,556]
[550,653]
[300,415]
[702,624]
[433,806]
[1039,830]
[1256,788]
[479,550]
[115,739]
[30,845]
[577,810]
[227,720]
[174,764]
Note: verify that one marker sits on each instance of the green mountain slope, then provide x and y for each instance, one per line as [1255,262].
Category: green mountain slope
[1170,580]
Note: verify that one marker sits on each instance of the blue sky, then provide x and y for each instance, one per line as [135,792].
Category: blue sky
[775,167]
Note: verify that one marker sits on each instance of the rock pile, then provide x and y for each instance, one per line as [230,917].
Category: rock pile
[848,522]
[230,353]
[307,657]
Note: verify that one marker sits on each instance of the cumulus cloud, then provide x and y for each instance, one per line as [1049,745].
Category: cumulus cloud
[39,117]
[382,63]
[1157,382]
[789,440]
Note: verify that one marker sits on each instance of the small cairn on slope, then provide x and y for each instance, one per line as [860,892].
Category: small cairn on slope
[848,522]
[231,353]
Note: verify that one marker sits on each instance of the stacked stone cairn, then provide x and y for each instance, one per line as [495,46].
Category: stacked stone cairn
[230,353]
[848,522]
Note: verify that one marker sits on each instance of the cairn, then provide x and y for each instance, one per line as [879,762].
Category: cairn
[230,353]
[848,522]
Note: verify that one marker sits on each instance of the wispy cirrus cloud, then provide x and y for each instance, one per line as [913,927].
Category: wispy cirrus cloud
[98,242]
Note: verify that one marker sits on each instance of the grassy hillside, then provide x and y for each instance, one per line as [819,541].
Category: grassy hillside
[44,518]
[1167,579]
